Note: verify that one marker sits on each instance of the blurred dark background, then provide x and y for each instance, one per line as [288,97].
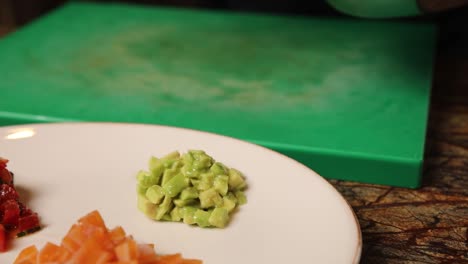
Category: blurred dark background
[19,12]
[453,23]
[16,13]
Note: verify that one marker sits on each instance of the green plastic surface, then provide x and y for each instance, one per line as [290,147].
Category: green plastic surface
[348,98]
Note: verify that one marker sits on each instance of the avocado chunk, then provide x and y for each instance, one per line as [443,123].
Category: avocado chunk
[147,207]
[141,190]
[210,198]
[168,175]
[166,217]
[175,185]
[156,169]
[201,218]
[163,208]
[206,181]
[236,181]
[241,199]
[219,168]
[229,204]
[192,188]
[176,214]
[145,179]
[155,194]
[189,193]
[189,215]
[219,217]
[220,184]
[182,203]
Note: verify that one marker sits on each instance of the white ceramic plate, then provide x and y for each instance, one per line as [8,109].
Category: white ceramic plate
[67,170]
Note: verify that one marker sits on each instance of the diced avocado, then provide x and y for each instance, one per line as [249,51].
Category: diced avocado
[206,181]
[168,174]
[190,171]
[235,179]
[188,158]
[189,193]
[176,165]
[220,184]
[219,168]
[189,215]
[172,156]
[196,152]
[170,159]
[182,203]
[241,198]
[153,162]
[192,188]
[155,194]
[141,189]
[242,186]
[187,181]
[228,204]
[201,159]
[202,163]
[201,218]
[195,183]
[145,179]
[175,185]
[168,163]
[156,169]
[164,207]
[176,214]
[146,207]
[210,198]
[166,217]
[231,196]
[141,175]
[219,217]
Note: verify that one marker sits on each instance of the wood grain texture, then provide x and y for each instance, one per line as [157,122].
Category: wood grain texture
[430,224]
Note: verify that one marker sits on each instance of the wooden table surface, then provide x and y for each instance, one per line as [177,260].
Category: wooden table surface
[430,224]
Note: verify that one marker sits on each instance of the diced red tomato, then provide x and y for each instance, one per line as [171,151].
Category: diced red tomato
[16,219]
[10,213]
[7,192]
[27,223]
[24,211]
[2,239]
[3,162]
[5,175]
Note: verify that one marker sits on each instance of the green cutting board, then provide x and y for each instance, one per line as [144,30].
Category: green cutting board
[348,98]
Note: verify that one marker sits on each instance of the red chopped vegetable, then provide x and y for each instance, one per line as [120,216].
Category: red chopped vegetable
[7,192]
[10,213]
[5,175]
[15,218]
[2,238]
